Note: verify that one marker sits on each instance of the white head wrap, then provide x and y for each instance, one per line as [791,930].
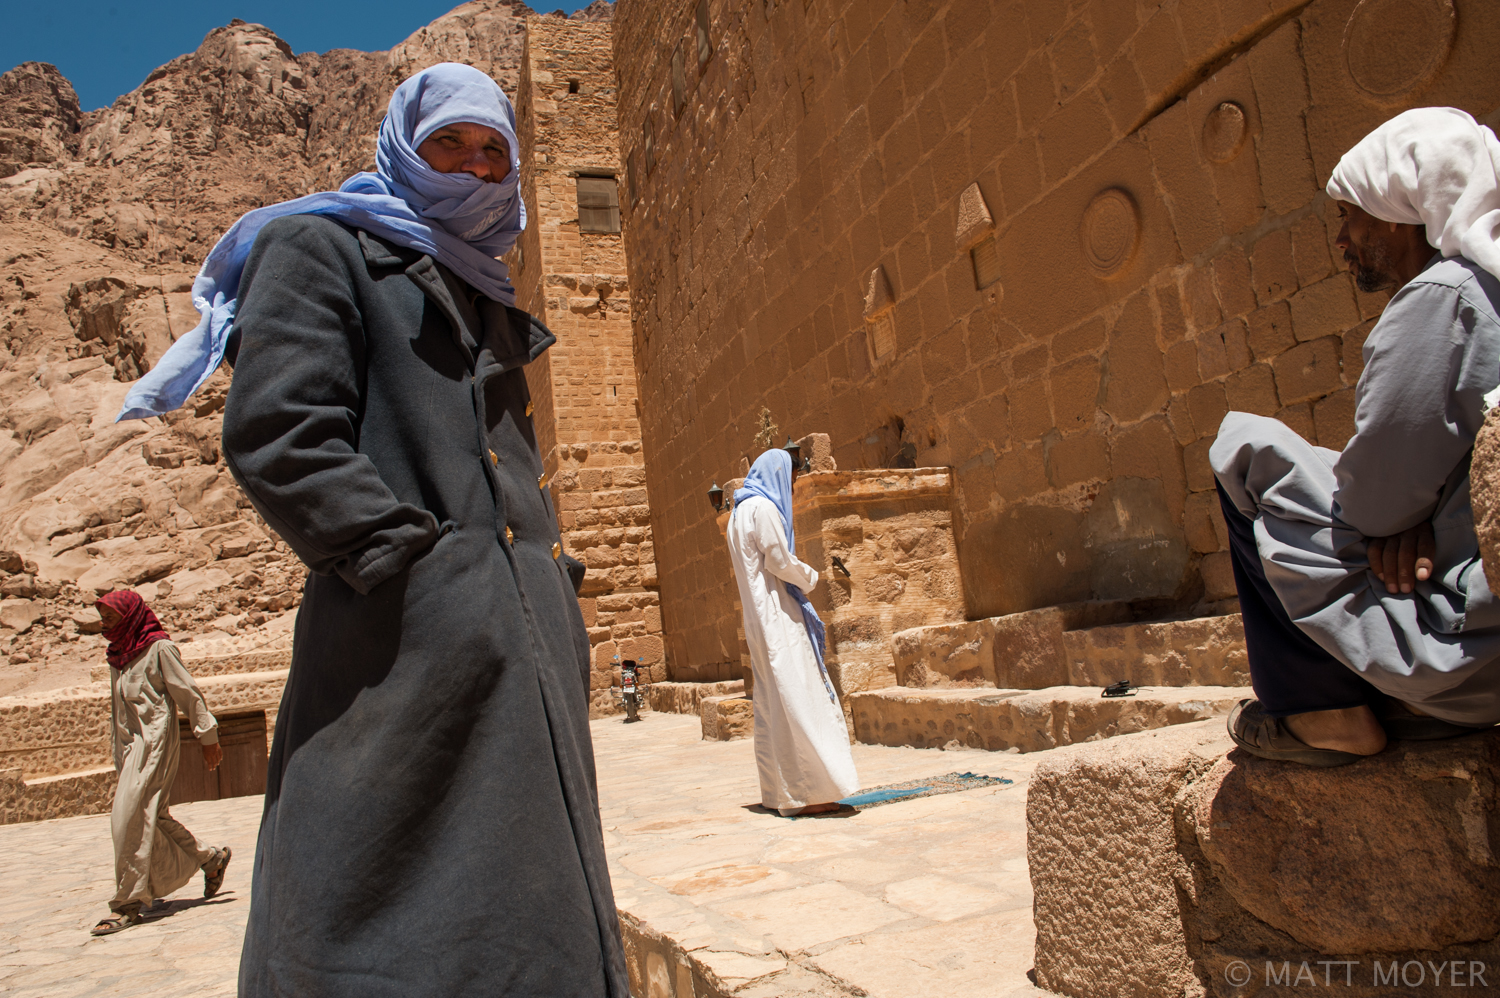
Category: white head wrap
[1432,166]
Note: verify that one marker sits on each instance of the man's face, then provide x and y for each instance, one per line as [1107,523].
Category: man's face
[1367,245]
[467,148]
[108,615]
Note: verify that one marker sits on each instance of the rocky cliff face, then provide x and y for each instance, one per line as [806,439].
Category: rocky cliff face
[104,218]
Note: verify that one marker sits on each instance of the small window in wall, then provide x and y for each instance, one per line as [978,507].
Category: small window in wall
[705,50]
[598,204]
[572,86]
[679,83]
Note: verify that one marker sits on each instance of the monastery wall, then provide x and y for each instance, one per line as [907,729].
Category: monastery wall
[584,387]
[1048,244]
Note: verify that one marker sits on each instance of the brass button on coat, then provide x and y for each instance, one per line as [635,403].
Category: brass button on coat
[530,405]
[556,550]
[494,458]
[510,536]
[541,482]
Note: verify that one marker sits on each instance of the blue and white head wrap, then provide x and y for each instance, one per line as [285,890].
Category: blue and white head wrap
[461,221]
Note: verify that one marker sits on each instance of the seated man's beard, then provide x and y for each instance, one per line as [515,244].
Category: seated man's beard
[1378,273]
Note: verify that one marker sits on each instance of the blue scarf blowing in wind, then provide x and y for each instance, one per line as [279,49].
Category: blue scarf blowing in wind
[771,478]
[456,218]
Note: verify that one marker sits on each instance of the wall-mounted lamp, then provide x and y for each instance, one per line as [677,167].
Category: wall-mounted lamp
[716,498]
[795,450]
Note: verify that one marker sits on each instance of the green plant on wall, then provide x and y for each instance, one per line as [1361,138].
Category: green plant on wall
[765,436]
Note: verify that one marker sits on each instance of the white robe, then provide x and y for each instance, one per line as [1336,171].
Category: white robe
[154,853]
[801,740]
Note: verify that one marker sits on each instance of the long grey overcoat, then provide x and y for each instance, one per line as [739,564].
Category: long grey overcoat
[431,825]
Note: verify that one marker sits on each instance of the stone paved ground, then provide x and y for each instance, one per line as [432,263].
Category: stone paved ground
[909,899]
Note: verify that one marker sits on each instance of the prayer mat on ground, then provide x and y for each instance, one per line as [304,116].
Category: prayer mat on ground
[950,783]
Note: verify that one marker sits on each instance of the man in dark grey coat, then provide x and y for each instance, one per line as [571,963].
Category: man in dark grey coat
[431,823]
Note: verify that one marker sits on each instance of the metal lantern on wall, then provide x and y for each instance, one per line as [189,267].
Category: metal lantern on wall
[716,498]
[795,450]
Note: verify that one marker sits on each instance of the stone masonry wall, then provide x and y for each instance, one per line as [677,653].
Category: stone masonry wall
[584,387]
[1046,243]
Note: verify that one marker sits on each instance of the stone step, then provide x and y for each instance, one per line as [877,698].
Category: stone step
[1077,644]
[1025,720]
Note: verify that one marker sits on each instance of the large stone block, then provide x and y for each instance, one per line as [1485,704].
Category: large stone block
[1163,869]
[1026,720]
[726,717]
[1484,487]
[1202,651]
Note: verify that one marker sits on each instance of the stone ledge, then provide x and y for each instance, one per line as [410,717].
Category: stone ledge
[1078,644]
[1161,866]
[1026,720]
[89,792]
[67,731]
[687,698]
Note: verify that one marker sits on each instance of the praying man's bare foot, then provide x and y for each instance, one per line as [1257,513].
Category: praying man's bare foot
[1351,729]
[819,809]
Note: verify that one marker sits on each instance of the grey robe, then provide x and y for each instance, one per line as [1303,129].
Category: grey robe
[431,822]
[1428,363]
[154,853]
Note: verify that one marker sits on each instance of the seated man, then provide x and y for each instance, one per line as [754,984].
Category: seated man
[1366,609]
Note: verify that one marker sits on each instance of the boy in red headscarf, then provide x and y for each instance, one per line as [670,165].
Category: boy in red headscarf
[154,853]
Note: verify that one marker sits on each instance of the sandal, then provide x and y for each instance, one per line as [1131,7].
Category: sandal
[119,920]
[1267,738]
[214,880]
[1405,725]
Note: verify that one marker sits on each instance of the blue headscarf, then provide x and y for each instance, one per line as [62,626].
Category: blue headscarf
[771,478]
[458,219]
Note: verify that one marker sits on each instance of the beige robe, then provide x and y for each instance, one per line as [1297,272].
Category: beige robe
[154,853]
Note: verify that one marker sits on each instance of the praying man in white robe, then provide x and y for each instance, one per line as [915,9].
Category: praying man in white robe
[1367,613]
[801,739]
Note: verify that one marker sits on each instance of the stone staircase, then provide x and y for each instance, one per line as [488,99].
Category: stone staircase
[55,755]
[1033,680]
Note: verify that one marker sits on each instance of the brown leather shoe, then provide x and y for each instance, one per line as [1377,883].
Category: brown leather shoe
[1266,737]
[213,874]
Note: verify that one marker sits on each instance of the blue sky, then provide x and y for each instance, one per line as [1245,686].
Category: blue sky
[107,47]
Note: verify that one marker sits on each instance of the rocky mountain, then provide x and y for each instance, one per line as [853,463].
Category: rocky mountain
[104,218]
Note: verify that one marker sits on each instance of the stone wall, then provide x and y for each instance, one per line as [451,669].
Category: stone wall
[584,387]
[1047,244]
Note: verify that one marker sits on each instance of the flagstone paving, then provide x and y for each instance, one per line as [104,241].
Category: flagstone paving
[913,898]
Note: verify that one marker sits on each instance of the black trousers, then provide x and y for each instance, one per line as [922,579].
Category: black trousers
[1291,672]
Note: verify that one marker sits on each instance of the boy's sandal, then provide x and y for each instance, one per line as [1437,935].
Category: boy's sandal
[1402,725]
[119,920]
[213,877]
[1268,738]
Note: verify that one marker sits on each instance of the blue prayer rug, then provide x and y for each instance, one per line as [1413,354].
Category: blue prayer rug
[950,783]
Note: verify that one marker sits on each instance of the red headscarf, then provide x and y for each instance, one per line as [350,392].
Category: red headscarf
[136,631]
